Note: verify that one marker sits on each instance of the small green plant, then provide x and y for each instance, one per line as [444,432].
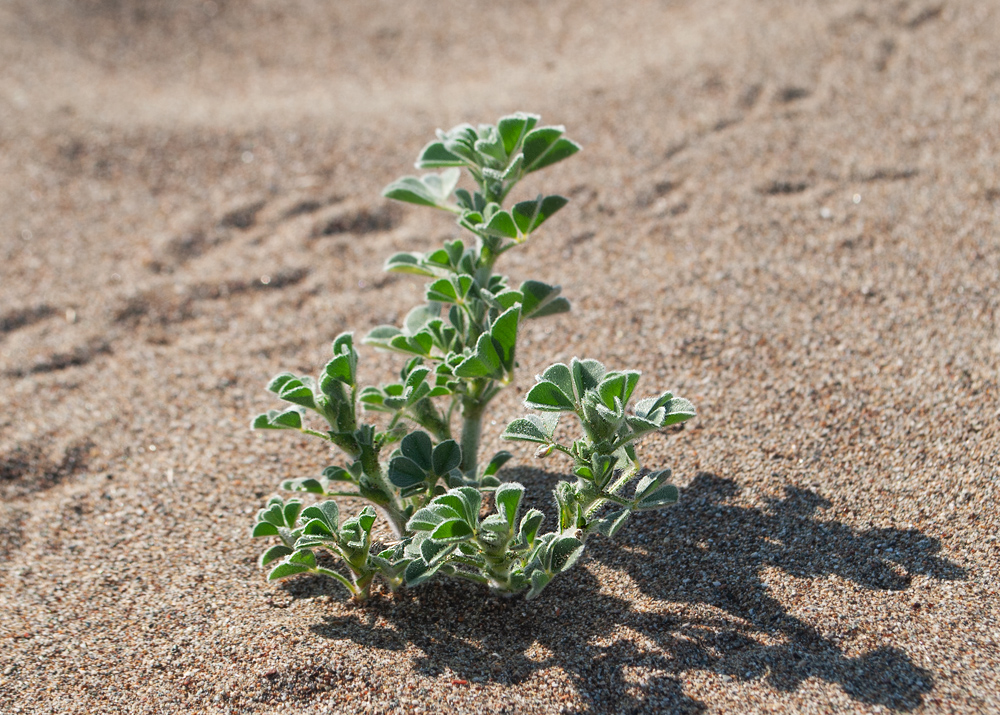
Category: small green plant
[461,349]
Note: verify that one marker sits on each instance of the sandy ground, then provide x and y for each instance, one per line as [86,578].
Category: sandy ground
[787,212]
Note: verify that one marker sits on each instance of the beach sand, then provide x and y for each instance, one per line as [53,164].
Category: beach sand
[785,212]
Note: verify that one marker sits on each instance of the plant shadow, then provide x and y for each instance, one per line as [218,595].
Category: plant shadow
[714,555]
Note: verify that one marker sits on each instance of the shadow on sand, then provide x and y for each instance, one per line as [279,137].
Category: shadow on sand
[714,556]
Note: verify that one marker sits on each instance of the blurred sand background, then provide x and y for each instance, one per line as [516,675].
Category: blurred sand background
[785,211]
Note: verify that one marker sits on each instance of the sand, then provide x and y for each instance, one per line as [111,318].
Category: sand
[786,212]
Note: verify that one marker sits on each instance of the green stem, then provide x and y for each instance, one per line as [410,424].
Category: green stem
[363,587]
[472,427]
[392,511]
[625,478]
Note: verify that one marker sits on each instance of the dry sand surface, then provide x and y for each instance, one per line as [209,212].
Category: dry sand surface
[786,211]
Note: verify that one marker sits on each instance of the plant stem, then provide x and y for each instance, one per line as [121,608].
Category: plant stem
[472,427]
[363,587]
[392,510]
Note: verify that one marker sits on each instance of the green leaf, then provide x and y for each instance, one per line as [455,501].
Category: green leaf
[279,381]
[475,203]
[505,299]
[460,140]
[537,297]
[504,333]
[418,344]
[411,190]
[494,533]
[405,473]
[548,397]
[298,562]
[678,410]
[561,376]
[447,456]
[587,374]
[508,501]
[561,149]
[289,419]
[338,474]
[538,142]
[452,531]
[417,318]
[274,553]
[434,156]
[343,344]
[610,524]
[275,512]
[529,215]
[612,388]
[490,144]
[291,511]
[366,519]
[514,127]
[530,429]
[428,190]
[438,258]
[273,419]
[531,522]
[498,460]
[485,362]
[430,516]
[417,572]
[501,225]
[664,496]
[308,484]
[563,552]
[433,552]
[407,263]
[450,290]
[417,447]
[382,335]
[466,501]
[341,368]
[299,394]
[326,512]
[513,171]
[554,307]
[264,528]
